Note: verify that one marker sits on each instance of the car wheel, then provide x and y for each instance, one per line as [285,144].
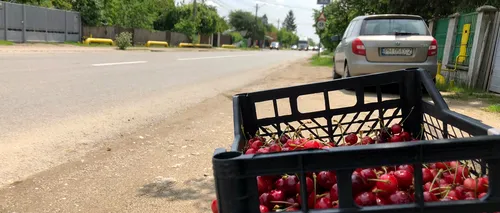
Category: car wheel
[335,75]
[346,72]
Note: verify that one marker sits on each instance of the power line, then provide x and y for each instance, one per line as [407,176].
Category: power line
[287,6]
[225,3]
[222,4]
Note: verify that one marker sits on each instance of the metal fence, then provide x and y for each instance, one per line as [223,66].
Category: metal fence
[25,23]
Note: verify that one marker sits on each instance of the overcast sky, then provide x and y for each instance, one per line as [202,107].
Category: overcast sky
[275,10]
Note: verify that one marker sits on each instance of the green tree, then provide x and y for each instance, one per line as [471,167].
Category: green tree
[186,26]
[90,11]
[311,42]
[245,21]
[287,38]
[289,22]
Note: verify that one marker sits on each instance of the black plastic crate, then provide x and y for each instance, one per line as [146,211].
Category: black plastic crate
[451,136]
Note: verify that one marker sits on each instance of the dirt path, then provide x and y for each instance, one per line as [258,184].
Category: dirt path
[162,168]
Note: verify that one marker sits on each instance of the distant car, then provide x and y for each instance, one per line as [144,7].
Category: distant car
[275,45]
[303,45]
[294,47]
[380,43]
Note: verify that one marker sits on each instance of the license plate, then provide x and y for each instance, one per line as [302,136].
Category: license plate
[396,51]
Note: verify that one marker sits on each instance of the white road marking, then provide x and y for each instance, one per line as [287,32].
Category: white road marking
[214,57]
[119,63]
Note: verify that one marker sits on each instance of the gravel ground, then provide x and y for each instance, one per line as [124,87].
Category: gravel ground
[165,167]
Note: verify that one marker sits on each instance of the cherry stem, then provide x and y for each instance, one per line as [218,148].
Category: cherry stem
[314,179]
[455,176]
[435,178]
[385,169]
[378,180]
[282,202]
[411,110]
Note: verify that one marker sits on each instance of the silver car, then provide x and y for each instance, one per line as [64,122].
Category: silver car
[380,43]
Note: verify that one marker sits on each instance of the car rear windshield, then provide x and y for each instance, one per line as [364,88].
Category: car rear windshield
[394,26]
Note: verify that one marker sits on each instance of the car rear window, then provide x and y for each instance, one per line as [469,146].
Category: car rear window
[393,26]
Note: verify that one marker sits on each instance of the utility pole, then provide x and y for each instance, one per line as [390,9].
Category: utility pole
[256,22]
[278,24]
[319,45]
[194,20]
[194,9]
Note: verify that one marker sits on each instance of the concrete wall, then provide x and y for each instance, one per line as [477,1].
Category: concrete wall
[177,38]
[141,36]
[25,23]
[225,39]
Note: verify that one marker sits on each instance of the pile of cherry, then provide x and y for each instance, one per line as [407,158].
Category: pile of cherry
[444,181]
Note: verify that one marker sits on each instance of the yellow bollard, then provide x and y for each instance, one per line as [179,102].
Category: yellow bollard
[163,43]
[440,78]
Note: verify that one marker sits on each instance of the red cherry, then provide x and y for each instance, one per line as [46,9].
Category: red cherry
[382,201]
[256,144]
[462,171]
[215,209]
[367,174]
[406,136]
[479,185]
[396,138]
[263,209]
[284,138]
[470,194]
[323,203]
[405,179]
[455,193]
[396,129]
[430,197]
[482,195]
[287,184]
[265,199]
[277,195]
[275,148]
[387,183]
[326,179]
[400,197]
[359,184]
[427,186]
[366,199]
[427,175]
[367,140]
[312,145]
[263,150]
[334,195]
[441,165]
[408,168]
[250,151]
[309,184]
[351,139]
[264,184]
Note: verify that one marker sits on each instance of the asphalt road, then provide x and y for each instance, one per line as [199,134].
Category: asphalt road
[58,106]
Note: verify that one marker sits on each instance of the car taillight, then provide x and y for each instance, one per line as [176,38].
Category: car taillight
[358,47]
[433,49]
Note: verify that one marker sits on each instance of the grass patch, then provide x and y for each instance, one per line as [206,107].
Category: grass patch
[6,43]
[327,52]
[493,108]
[87,45]
[322,61]
[465,93]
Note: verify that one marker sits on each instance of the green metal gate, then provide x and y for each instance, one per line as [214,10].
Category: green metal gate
[440,35]
[469,18]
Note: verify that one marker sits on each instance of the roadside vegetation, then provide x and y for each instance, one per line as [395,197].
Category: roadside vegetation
[6,43]
[464,93]
[322,61]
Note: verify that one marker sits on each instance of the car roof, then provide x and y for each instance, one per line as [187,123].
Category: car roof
[388,16]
